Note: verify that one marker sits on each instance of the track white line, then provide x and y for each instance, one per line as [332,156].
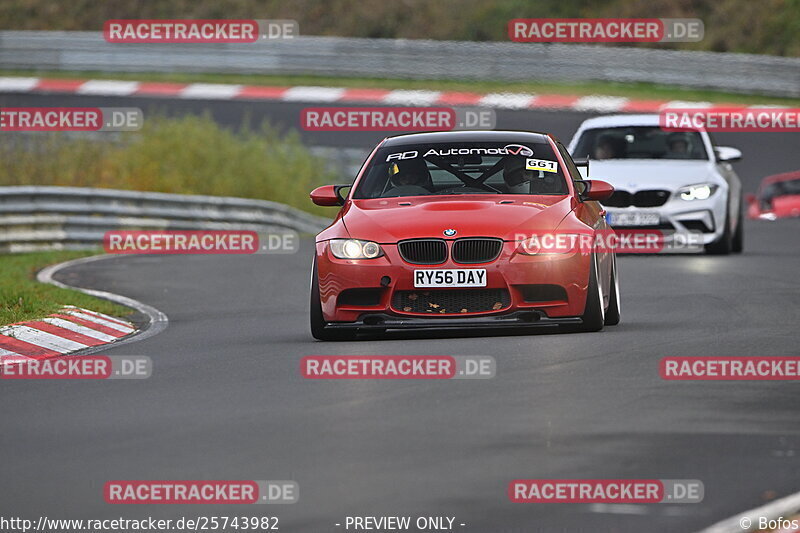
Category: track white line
[783,507]
[108,87]
[603,104]
[212,91]
[18,84]
[157,321]
[688,104]
[618,508]
[411,97]
[313,94]
[507,100]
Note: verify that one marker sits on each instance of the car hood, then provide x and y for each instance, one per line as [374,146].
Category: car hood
[641,174]
[388,220]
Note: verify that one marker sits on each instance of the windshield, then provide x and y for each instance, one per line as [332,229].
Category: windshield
[640,142]
[779,188]
[462,168]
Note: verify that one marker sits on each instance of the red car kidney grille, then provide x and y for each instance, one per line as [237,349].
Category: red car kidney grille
[423,251]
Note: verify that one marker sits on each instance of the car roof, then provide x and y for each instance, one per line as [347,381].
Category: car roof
[786,176]
[610,121]
[467,136]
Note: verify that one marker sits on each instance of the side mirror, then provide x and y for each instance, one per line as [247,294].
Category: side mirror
[596,190]
[750,198]
[328,195]
[727,153]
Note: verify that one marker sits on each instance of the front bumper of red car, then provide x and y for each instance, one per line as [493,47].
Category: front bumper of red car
[521,290]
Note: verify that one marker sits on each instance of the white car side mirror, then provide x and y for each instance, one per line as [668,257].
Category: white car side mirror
[727,153]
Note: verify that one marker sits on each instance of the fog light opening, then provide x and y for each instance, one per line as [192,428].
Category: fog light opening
[529,317]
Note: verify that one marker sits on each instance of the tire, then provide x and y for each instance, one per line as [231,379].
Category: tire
[613,311]
[724,244]
[593,314]
[738,236]
[317,321]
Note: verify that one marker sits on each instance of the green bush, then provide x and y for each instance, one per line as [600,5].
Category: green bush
[188,155]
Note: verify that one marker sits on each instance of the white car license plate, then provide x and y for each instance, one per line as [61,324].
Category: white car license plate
[633,218]
[461,277]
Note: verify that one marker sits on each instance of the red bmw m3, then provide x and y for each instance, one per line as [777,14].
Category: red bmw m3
[436,230]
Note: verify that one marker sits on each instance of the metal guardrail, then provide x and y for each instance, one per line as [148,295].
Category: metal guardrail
[408,59]
[38,218]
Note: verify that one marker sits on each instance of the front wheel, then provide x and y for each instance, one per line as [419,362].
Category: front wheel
[593,315]
[317,320]
[724,244]
[738,235]
[613,313]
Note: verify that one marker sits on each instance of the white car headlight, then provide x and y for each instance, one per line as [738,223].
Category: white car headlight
[701,191]
[355,249]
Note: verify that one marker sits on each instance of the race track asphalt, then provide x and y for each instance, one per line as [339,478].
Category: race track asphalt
[226,399]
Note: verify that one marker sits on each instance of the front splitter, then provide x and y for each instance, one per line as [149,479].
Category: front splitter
[518,319]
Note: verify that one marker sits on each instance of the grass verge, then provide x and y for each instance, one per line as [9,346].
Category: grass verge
[23,298]
[644,91]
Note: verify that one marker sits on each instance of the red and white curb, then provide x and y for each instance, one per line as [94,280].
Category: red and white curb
[76,329]
[340,95]
[70,330]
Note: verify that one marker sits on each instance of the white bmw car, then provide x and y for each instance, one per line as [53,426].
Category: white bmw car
[671,181]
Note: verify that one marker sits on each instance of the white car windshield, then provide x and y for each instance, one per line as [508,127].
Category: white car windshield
[640,142]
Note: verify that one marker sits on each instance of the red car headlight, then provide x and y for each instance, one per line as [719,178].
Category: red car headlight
[355,249]
[549,244]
